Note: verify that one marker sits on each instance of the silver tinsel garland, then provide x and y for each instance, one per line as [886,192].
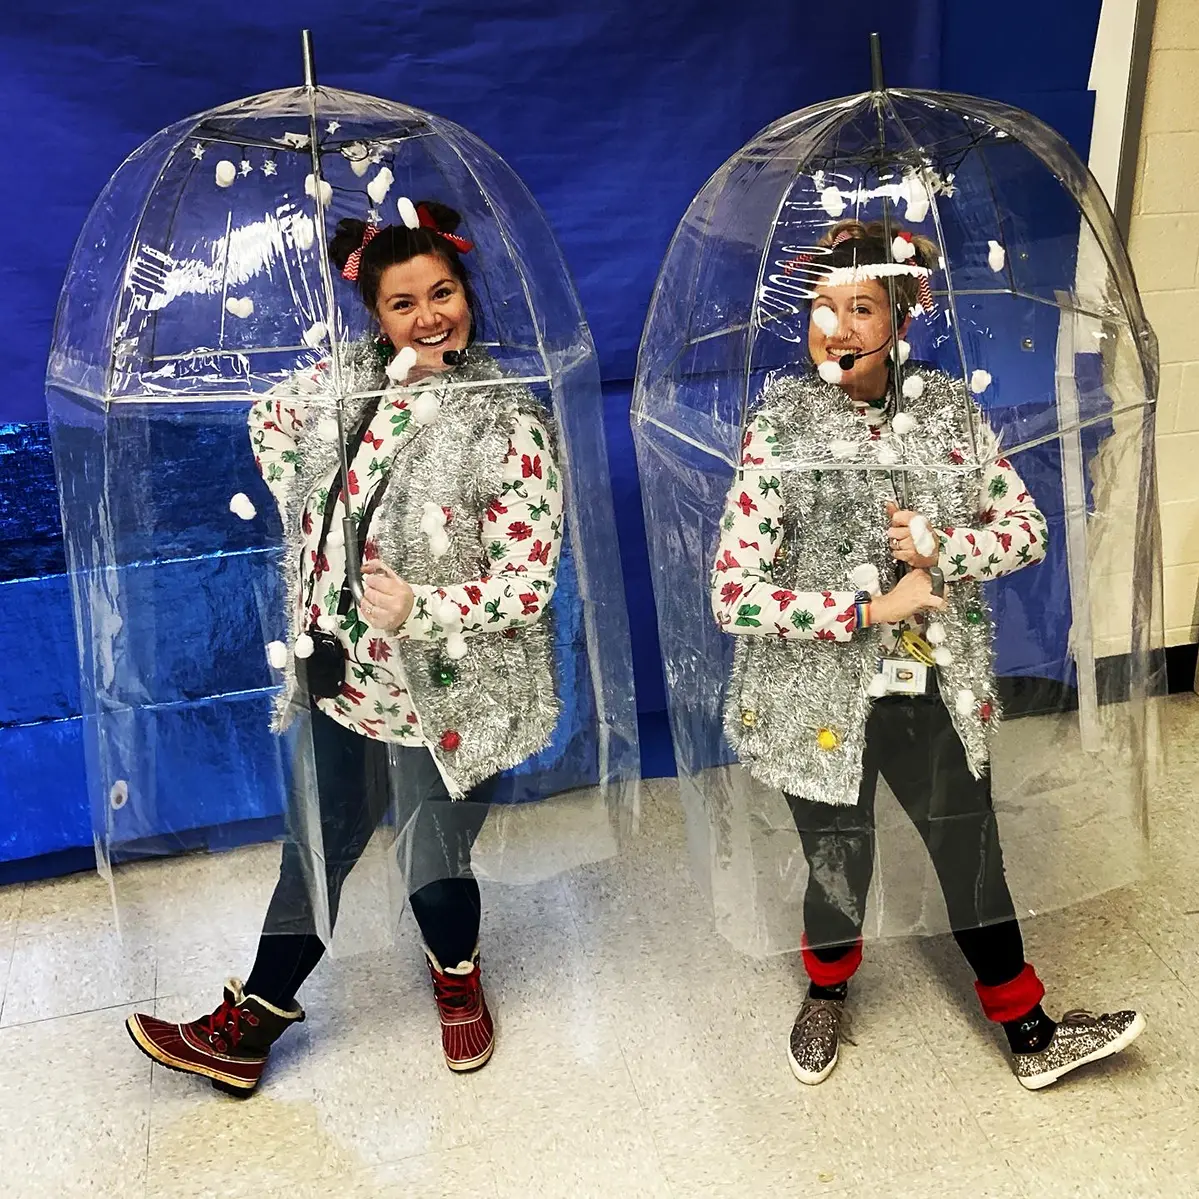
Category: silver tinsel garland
[503,702]
[796,709]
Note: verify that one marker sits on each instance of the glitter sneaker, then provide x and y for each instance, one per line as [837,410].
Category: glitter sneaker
[1081,1037]
[815,1037]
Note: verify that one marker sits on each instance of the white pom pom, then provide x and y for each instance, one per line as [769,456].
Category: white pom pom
[979,382]
[304,646]
[327,622]
[407,212]
[358,156]
[865,578]
[942,656]
[903,350]
[964,702]
[276,654]
[439,543]
[843,449]
[326,190]
[913,387]
[455,646]
[240,308]
[326,430]
[380,185]
[922,536]
[337,535]
[241,505]
[829,371]
[432,518]
[904,422]
[825,319]
[425,407]
[303,231]
[877,687]
[448,614]
[315,334]
[401,365]
[832,201]
[996,256]
[887,455]
[902,249]
[935,633]
[226,173]
[918,199]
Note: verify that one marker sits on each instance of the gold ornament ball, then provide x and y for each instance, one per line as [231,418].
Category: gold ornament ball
[749,718]
[827,739]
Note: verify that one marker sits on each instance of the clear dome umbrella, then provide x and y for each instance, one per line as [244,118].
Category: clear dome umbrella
[201,284]
[1013,307]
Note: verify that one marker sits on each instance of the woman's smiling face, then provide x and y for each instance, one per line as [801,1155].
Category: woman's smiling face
[423,305]
[853,318]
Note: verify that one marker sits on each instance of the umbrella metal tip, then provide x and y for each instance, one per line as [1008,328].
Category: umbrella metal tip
[877,83]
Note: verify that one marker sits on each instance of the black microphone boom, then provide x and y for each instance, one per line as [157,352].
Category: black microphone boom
[848,361]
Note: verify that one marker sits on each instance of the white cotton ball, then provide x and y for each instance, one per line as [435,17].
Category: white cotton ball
[326,430]
[913,387]
[832,201]
[964,702]
[922,536]
[996,256]
[903,349]
[887,455]
[226,173]
[326,190]
[942,656]
[401,365]
[426,407]
[315,334]
[935,633]
[448,614]
[843,449]
[358,156]
[979,382]
[439,543]
[904,422]
[276,654]
[432,518]
[337,535]
[918,199]
[303,231]
[829,371]
[825,319]
[407,212]
[902,249]
[241,505]
[243,307]
[304,646]
[455,646]
[380,185]
[326,622]
[877,687]
[865,578]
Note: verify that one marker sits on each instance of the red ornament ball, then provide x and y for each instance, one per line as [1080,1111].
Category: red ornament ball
[985,711]
[450,740]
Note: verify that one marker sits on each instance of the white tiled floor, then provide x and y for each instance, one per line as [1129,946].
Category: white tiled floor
[639,1054]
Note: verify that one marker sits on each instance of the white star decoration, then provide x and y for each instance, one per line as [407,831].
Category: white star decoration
[374,217]
[244,167]
[197,151]
[334,126]
[268,167]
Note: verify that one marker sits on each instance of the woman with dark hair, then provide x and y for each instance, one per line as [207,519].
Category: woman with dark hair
[443,675]
[865,638]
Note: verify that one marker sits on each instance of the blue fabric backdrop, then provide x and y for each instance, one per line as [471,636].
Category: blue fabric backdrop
[613,111]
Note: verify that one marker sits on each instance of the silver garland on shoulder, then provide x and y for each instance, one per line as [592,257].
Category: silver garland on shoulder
[796,709]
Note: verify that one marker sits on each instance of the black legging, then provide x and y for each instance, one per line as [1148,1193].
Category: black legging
[911,742]
[356,785]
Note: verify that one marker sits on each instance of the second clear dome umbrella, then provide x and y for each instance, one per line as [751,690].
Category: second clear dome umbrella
[201,291]
[1025,352]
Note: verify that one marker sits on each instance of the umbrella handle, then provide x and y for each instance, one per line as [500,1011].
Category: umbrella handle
[353,562]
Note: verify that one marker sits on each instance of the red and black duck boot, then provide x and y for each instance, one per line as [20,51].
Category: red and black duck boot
[467,1030]
[230,1046]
